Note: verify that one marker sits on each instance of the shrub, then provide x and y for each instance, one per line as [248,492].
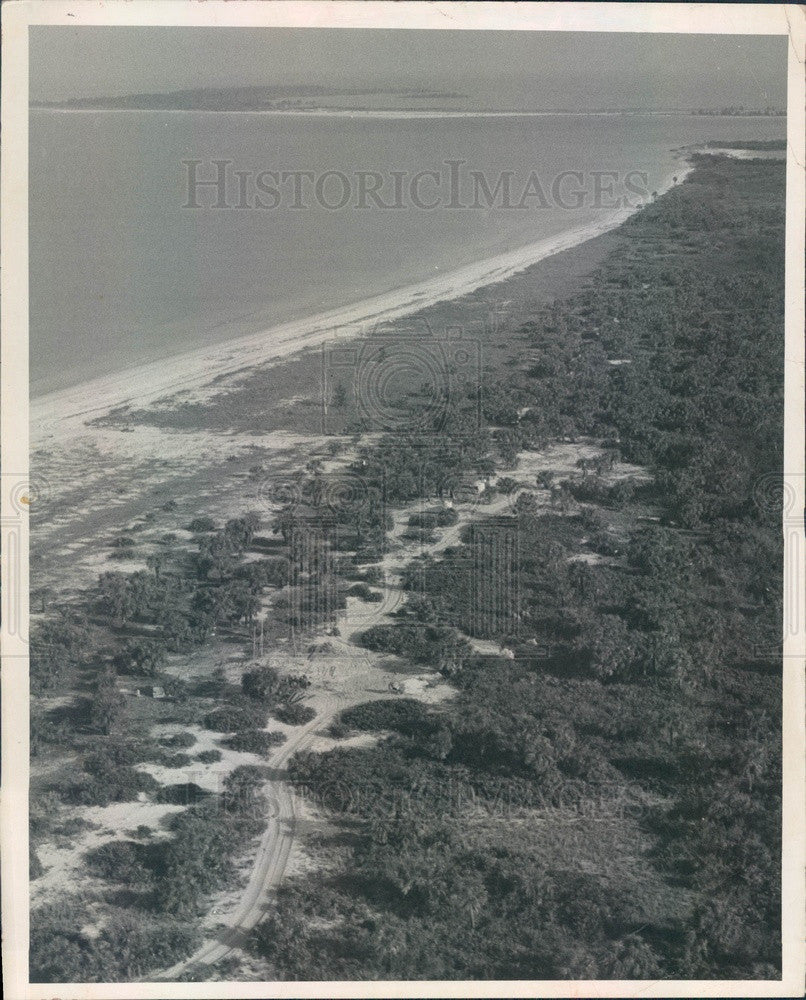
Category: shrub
[592,489]
[75,825]
[605,544]
[295,715]
[338,730]
[111,754]
[269,686]
[264,573]
[592,519]
[434,517]
[127,947]
[420,607]
[108,778]
[140,656]
[254,741]
[425,536]
[506,485]
[184,793]
[441,647]
[446,516]
[363,591]
[107,706]
[622,492]
[405,715]
[178,740]
[243,714]
[174,760]
[368,554]
[196,860]
[209,756]
[120,861]
[35,868]
[241,787]
[263,684]
[608,648]
[422,520]
[201,525]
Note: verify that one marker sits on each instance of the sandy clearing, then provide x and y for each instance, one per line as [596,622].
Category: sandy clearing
[63,860]
[342,676]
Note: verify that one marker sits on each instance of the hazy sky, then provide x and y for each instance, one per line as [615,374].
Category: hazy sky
[496,68]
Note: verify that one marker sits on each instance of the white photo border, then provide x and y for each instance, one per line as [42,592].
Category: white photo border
[17,490]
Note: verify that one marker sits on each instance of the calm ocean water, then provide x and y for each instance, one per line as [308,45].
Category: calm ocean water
[121,273]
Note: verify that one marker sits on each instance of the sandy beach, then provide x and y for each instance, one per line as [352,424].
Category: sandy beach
[65,412]
[188,429]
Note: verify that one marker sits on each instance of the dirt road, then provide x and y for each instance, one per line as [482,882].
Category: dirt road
[355,675]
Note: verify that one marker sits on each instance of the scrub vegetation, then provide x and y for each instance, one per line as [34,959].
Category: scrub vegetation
[601,796]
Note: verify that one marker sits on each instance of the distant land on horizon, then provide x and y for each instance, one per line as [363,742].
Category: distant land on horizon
[243,98]
[317,98]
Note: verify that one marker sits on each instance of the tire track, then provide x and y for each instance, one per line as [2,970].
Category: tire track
[270,862]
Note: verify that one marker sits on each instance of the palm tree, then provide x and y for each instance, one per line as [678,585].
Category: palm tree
[106,706]
[155,563]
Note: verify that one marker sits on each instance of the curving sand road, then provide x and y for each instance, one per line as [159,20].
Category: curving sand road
[270,861]
[278,838]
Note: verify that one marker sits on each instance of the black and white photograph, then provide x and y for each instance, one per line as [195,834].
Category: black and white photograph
[402,499]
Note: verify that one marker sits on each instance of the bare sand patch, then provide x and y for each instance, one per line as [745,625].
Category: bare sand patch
[63,861]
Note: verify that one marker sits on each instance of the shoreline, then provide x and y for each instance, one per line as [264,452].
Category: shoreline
[143,384]
[391,113]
